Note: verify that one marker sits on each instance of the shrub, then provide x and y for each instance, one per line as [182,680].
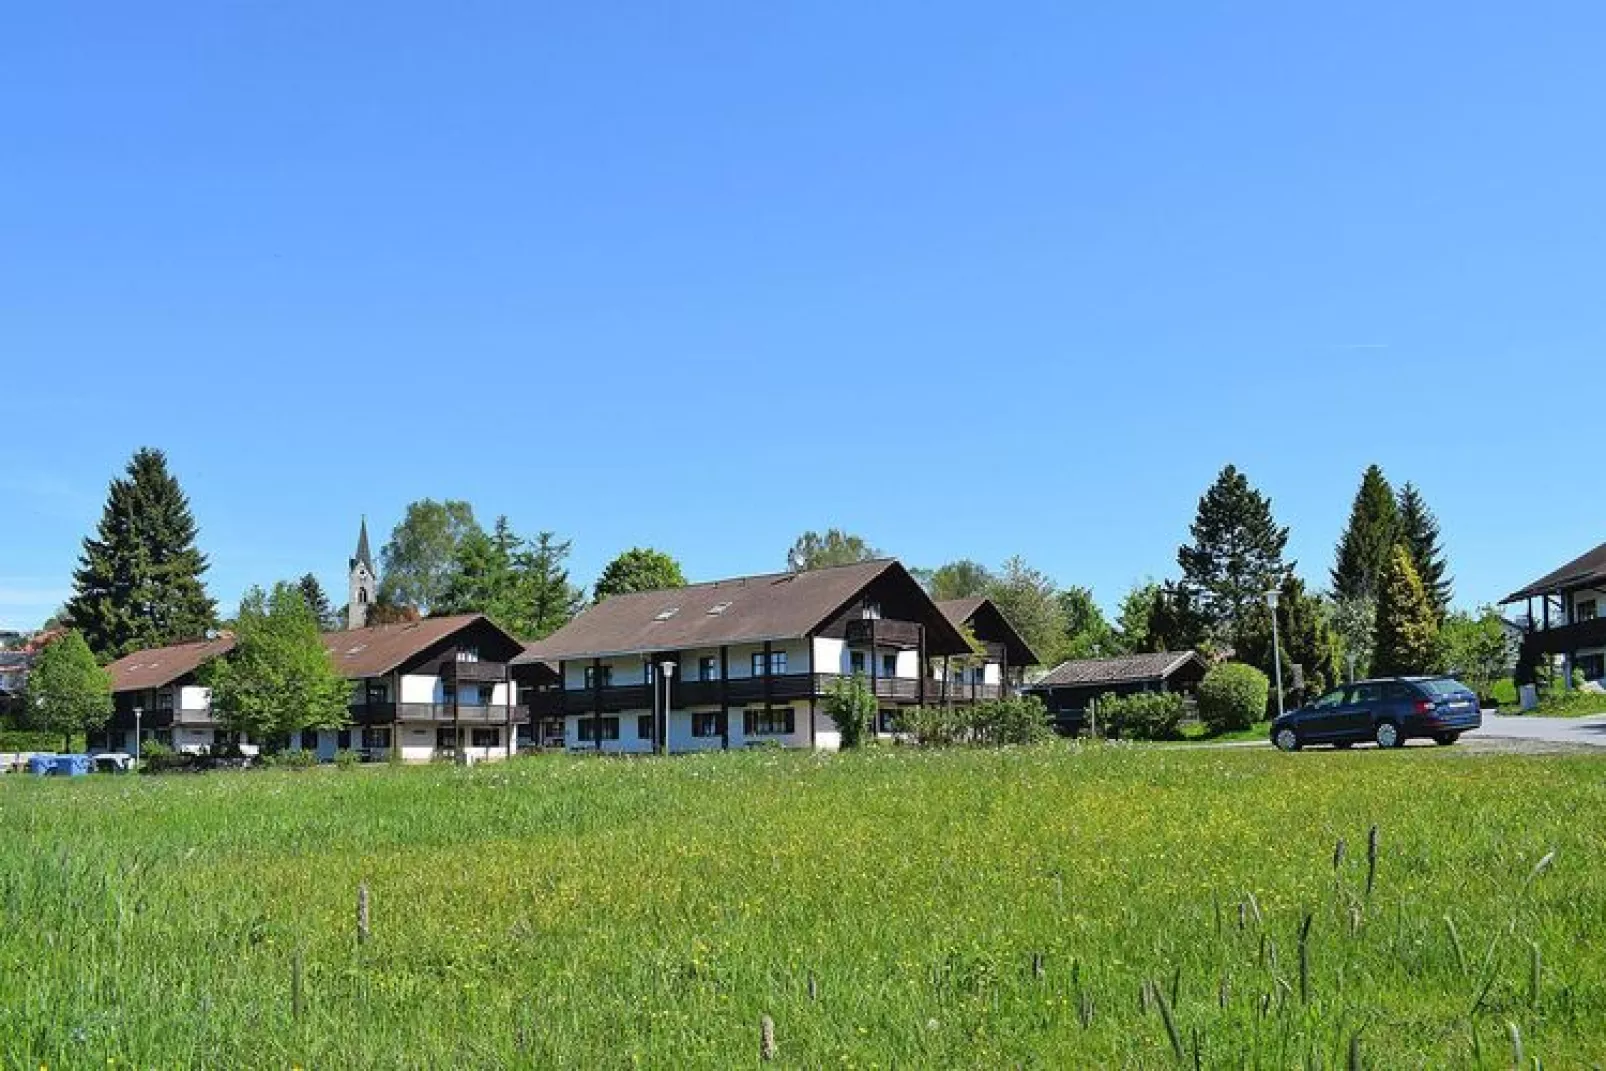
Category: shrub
[1233,696]
[1016,720]
[933,726]
[298,759]
[157,757]
[346,758]
[1142,715]
[851,705]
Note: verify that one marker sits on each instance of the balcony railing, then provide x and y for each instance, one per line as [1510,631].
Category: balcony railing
[745,691]
[887,633]
[467,714]
[470,672]
[1561,639]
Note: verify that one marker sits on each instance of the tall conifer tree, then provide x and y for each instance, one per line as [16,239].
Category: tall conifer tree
[1368,541]
[138,583]
[1236,556]
[1407,629]
[1419,531]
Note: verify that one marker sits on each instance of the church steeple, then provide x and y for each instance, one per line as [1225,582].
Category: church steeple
[362,581]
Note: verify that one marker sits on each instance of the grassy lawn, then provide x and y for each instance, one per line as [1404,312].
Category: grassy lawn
[583,912]
[1258,731]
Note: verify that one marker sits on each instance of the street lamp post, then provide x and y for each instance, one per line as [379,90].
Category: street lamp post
[666,673]
[137,712]
[1276,649]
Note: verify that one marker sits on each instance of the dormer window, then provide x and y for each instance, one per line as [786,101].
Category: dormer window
[468,654]
[718,608]
[871,611]
[665,615]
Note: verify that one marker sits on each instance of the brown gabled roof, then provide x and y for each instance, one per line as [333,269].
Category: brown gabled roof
[744,609]
[984,617]
[159,666]
[357,653]
[378,649]
[1586,570]
[1128,669]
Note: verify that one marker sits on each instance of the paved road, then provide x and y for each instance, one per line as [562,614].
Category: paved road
[1588,731]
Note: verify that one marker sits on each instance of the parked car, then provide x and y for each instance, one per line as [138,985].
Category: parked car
[1389,711]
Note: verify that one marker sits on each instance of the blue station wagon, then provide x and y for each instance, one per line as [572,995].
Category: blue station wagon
[1388,711]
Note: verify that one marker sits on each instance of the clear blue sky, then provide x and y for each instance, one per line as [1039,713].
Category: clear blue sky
[969,281]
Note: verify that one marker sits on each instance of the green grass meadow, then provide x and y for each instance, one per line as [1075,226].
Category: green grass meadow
[962,908]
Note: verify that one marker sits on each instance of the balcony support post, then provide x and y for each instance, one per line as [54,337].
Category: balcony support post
[596,702]
[813,697]
[724,698]
[921,672]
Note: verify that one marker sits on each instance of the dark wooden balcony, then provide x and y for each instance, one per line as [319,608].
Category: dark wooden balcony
[467,714]
[1564,639]
[474,672]
[904,634]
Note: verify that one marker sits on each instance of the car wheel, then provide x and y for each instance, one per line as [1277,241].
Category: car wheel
[1446,739]
[1286,740]
[1387,734]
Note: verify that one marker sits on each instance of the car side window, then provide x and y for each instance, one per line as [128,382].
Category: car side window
[1366,693]
[1396,692]
[1332,699]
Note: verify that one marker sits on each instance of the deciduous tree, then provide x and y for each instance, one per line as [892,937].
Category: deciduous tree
[1132,620]
[836,547]
[418,562]
[67,691]
[639,569]
[138,583]
[1407,628]
[1368,540]
[279,678]
[1236,556]
[1087,633]
[961,579]
[1307,638]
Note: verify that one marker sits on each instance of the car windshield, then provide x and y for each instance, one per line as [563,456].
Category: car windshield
[1445,686]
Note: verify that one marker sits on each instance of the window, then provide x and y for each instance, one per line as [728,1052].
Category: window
[1585,610]
[1592,665]
[704,725]
[1334,698]
[309,740]
[856,661]
[591,677]
[163,737]
[665,615]
[448,694]
[362,596]
[376,736]
[644,726]
[889,665]
[777,665]
[978,675]
[719,608]
[486,737]
[487,693]
[646,672]
[468,654]
[343,740]
[707,668]
[774,721]
[1365,693]
[446,739]
[588,729]
[164,699]
[871,611]
[1396,692]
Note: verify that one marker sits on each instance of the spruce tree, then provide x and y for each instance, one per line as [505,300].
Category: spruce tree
[1407,628]
[1236,556]
[1419,531]
[318,603]
[1304,626]
[138,583]
[1368,541]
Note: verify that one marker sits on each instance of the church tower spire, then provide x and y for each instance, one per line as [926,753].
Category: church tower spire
[362,581]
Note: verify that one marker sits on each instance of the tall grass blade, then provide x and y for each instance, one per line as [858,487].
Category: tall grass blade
[1371,860]
[1170,1025]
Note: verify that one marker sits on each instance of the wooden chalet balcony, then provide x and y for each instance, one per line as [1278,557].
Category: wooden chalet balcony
[746,691]
[193,716]
[1562,639]
[385,713]
[887,633]
[474,672]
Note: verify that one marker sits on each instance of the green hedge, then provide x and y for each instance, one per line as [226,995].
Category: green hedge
[1141,715]
[1233,696]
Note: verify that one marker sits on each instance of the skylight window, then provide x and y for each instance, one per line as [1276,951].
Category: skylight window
[719,608]
[665,615]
